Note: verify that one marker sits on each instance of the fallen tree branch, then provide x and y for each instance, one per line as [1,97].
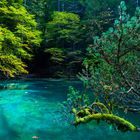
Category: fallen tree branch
[87,114]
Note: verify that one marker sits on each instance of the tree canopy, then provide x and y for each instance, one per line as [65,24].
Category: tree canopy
[18,36]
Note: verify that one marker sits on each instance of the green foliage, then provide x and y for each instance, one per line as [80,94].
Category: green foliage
[67,28]
[75,99]
[17,36]
[10,2]
[62,27]
[70,25]
[62,39]
[10,65]
[57,54]
[112,65]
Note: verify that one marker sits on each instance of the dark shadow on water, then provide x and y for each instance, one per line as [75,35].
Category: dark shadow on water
[6,131]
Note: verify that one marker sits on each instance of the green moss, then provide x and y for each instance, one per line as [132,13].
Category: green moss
[121,123]
[88,114]
[102,107]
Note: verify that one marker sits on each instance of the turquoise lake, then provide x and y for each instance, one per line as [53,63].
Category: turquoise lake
[29,109]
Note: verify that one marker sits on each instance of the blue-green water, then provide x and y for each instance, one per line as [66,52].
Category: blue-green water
[30,108]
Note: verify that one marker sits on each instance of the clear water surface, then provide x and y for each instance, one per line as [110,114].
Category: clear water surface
[29,109]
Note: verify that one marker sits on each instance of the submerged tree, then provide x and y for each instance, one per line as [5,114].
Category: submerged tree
[18,35]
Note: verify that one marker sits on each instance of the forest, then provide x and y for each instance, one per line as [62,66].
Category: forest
[69,66]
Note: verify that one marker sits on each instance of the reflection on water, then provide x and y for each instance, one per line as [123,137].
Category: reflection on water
[29,110]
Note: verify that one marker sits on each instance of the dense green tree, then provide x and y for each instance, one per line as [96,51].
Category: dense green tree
[62,28]
[62,39]
[112,65]
[18,35]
